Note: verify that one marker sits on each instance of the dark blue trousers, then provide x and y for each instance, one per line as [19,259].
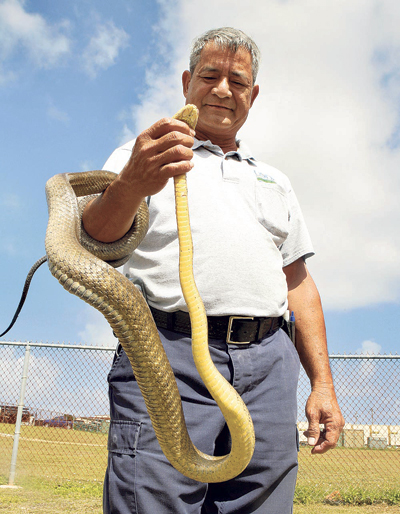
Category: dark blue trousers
[140,480]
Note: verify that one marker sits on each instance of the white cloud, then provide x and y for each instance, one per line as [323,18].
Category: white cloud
[369,348]
[126,135]
[327,115]
[97,331]
[103,48]
[45,44]
[57,114]
[11,366]
[52,378]
[367,368]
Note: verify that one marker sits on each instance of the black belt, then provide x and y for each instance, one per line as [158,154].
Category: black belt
[234,329]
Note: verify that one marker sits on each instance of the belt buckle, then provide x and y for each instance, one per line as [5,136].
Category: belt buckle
[229,332]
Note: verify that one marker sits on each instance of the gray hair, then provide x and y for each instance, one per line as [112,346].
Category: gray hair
[226,37]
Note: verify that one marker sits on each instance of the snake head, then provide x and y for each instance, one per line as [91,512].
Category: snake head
[189,114]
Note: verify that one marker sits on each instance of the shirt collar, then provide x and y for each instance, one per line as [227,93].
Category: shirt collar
[242,153]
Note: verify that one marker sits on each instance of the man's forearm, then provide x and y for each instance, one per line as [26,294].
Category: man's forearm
[108,217]
[311,344]
[322,407]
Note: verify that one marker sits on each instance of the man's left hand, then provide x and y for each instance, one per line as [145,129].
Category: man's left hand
[322,409]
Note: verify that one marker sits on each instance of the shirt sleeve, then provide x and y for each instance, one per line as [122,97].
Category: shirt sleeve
[298,242]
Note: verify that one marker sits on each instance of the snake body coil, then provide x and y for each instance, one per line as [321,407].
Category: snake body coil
[107,290]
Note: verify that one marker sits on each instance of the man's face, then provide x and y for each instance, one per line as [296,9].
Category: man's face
[222,89]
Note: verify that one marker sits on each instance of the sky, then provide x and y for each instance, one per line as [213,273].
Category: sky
[79,78]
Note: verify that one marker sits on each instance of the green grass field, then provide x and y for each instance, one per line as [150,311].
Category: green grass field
[54,453]
[349,476]
[62,471]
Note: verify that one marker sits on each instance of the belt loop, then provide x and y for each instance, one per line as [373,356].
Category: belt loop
[261,322]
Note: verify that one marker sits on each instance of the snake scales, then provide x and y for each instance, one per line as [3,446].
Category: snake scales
[100,285]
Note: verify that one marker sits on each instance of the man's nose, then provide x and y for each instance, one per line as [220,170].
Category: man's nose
[221,89]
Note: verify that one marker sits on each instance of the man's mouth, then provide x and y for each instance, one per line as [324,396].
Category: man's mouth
[219,107]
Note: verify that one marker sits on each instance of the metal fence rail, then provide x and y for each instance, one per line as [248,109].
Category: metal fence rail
[54,418]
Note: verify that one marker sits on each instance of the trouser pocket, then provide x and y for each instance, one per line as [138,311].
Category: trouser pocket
[123,437]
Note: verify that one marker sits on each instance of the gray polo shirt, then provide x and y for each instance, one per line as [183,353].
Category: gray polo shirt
[246,226]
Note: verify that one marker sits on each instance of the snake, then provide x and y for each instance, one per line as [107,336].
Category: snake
[83,272]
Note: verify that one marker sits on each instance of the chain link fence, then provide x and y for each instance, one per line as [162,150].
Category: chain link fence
[65,420]
[61,392]
[365,466]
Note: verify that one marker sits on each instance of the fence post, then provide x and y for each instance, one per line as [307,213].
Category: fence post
[19,416]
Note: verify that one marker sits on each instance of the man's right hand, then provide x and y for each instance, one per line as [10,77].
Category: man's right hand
[160,152]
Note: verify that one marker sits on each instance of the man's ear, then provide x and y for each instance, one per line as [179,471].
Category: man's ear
[186,77]
[254,94]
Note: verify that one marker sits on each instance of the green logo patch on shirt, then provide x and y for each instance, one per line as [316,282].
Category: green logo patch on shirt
[263,177]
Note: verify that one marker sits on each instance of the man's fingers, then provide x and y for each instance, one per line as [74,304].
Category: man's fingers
[174,161]
[172,147]
[327,440]
[167,125]
[312,433]
[160,152]
[175,154]
[322,409]
[176,168]
[322,440]
[173,139]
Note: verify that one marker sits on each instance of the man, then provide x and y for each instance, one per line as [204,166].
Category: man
[250,246]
